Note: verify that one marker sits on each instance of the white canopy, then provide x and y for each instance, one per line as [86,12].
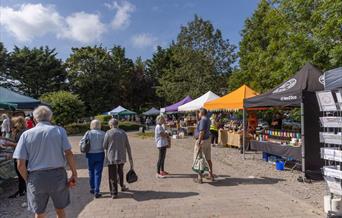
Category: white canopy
[198,102]
[117,110]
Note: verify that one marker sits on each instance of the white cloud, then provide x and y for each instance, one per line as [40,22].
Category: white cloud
[123,14]
[35,20]
[83,27]
[144,40]
[30,20]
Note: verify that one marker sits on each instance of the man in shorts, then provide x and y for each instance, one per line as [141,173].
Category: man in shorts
[46,148]
[202,136]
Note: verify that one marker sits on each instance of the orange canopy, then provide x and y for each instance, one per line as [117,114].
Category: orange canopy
[231,101]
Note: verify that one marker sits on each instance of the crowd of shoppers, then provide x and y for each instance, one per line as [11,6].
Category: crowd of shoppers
[42,151]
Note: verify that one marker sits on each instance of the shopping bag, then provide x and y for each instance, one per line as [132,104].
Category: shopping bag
[200,164]
[131,176]
[85,145]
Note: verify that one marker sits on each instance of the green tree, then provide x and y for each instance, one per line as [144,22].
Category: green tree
[281,36]
[35,71]
[160,62]
[124,68]
[191,74]
[3,64]
[67,107]
[200,35]
[199,60]
[93,76]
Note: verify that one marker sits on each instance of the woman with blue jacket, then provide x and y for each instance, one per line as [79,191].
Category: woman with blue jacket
[95,156]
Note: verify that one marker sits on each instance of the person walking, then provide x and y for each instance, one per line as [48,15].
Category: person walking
[5,126]
[162,141]
[202,135]
[214,130]
[95,156]
[47,149]
[116,145]
[19,126]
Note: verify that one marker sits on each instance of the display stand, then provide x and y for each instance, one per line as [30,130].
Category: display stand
[330,103]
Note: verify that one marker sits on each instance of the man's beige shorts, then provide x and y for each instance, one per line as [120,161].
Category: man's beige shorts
[206,149]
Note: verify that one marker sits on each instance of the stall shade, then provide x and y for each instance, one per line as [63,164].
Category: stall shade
[120,111]
[333,79]
[198,103]
[298,91]
[232,101]
[152,112]
[8,106]
[21,101]
[174,107]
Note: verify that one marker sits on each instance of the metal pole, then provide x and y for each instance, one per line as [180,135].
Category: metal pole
[303,138]
[244,133]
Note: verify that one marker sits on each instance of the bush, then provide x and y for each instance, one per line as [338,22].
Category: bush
[81,128]
[66,107]
[103,119]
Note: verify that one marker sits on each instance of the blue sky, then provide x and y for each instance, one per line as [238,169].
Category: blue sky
[138,25]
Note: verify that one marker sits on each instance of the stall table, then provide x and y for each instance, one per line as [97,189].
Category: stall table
[190,130]
[226,137]
[277,149]
[222,137]
[234,139]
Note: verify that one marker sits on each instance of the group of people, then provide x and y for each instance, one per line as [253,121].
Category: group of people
[11,130]
[113,145]
[202,145]
[41,154]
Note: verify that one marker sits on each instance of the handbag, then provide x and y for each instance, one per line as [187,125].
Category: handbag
[200,164]
[131,176]
[168,142]
[85,146]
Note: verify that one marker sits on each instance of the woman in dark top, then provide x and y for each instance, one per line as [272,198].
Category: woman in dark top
[18,127]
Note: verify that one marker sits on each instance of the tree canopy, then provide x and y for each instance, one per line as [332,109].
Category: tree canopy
[35,71]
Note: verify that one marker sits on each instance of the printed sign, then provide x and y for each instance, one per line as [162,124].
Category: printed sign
[286,86]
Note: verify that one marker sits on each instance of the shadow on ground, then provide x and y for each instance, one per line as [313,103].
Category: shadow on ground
[244,181]
[152,195]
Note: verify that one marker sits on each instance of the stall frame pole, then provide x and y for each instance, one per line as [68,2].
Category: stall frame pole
[244,133]
[303,138]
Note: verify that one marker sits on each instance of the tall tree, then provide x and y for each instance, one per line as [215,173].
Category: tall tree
[155,68]
[3,64]
[200,60]
[93,76]
[281,36]
[35,71]
[201,35]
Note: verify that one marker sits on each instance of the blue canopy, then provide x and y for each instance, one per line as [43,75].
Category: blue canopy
[22,101]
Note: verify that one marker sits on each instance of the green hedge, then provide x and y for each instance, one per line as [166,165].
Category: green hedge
[81,128]
[103,118]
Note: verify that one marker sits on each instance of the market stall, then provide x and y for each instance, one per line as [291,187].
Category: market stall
[198,103]
[303,145]
[19,101]
[152,112]
[120,111]
[230,134]
[174,107]
[333,79]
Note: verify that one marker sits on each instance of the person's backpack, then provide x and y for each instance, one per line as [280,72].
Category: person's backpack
[85,146]
[131,176]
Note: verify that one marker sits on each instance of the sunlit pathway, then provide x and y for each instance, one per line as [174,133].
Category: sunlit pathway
[178,196]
